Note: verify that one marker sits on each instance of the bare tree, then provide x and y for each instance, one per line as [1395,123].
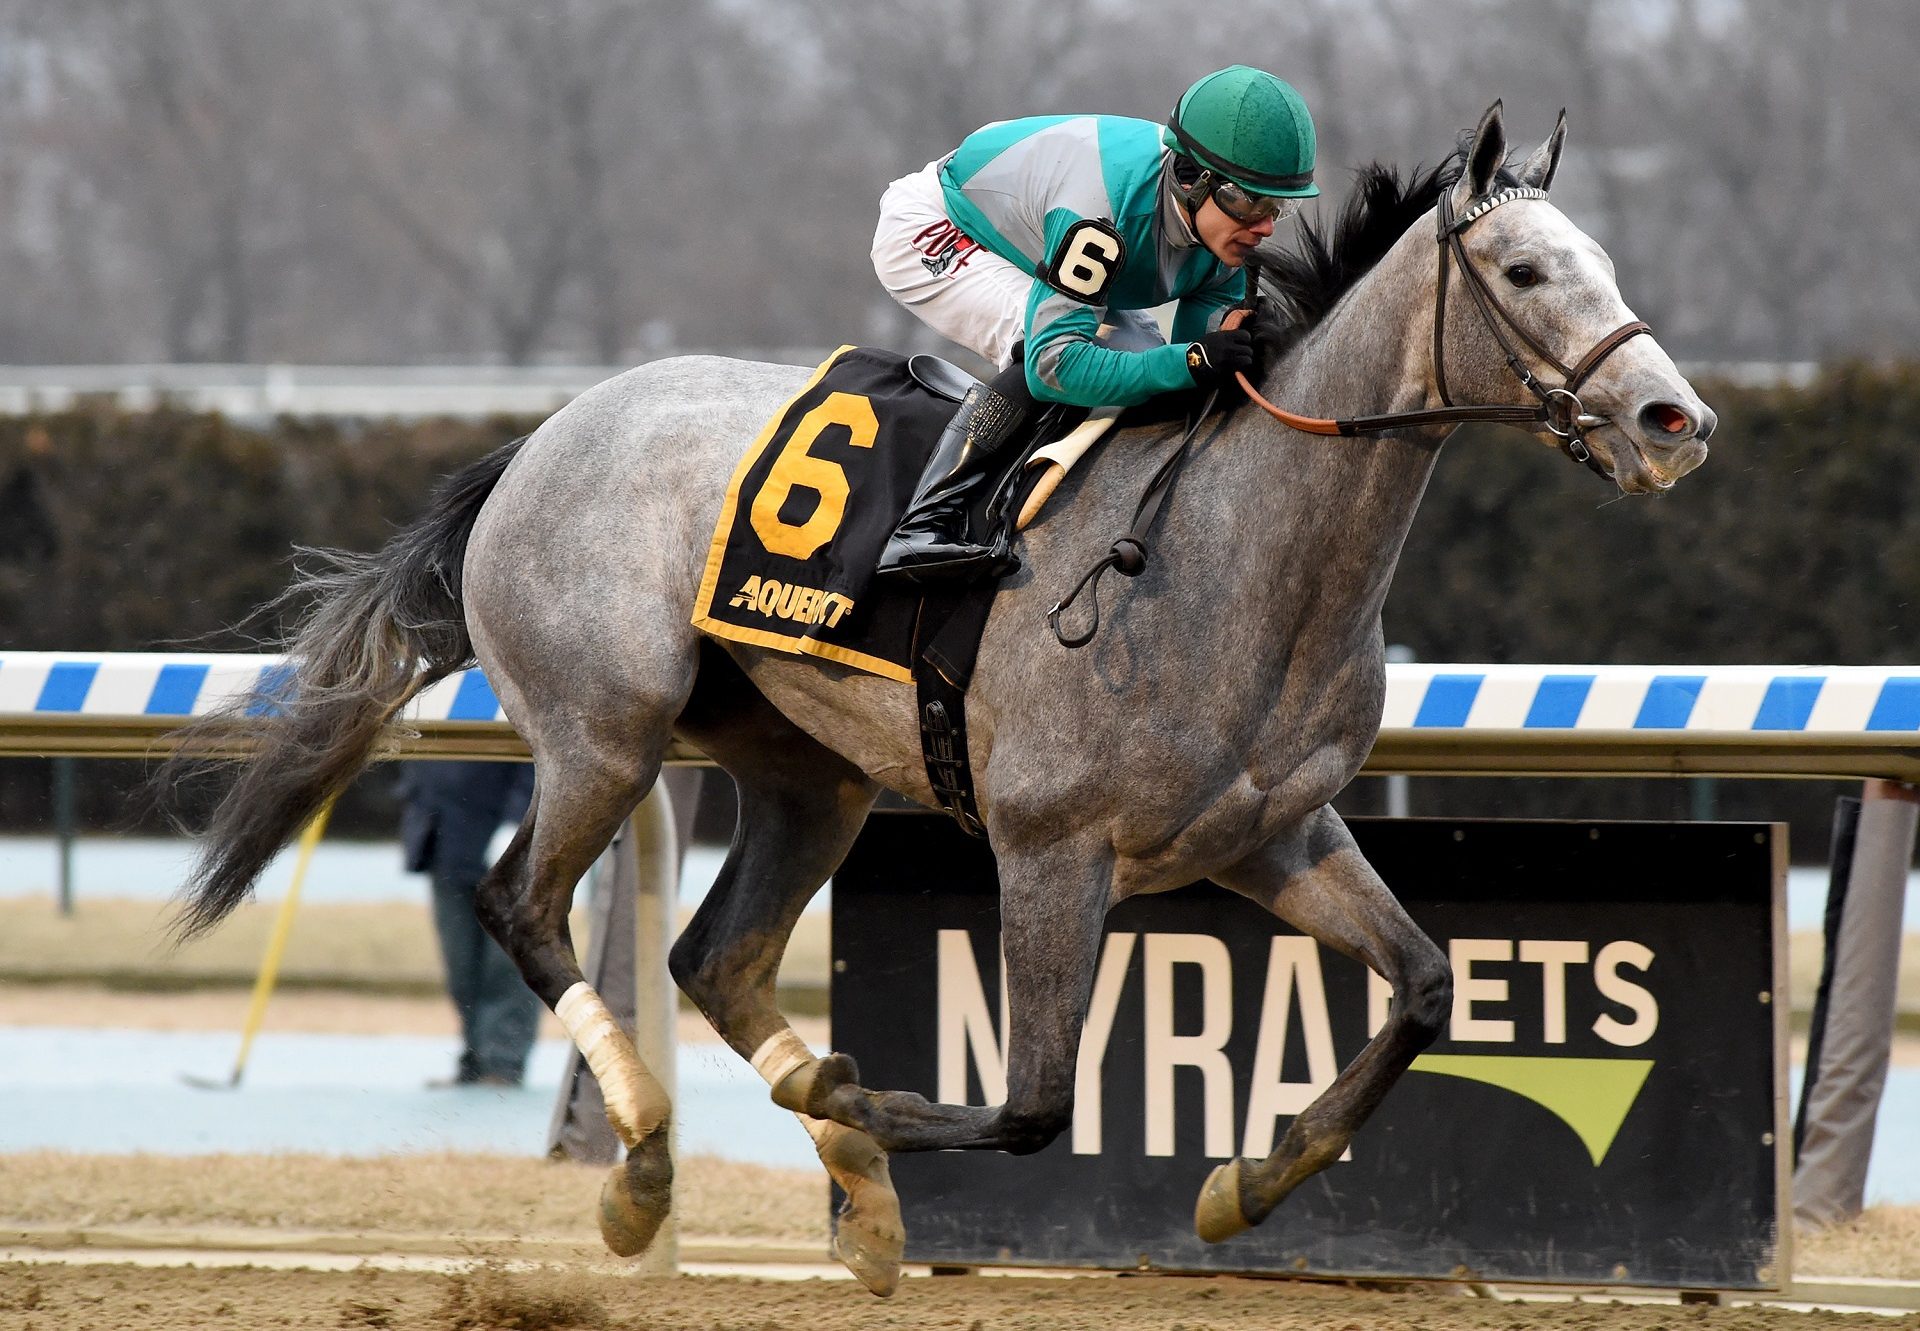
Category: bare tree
[390,180]
[181,114]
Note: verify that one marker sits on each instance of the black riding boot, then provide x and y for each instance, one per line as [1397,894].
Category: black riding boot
[931,543]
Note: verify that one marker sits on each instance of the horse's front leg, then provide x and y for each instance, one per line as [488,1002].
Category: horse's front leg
[1315,879]
[1053,900]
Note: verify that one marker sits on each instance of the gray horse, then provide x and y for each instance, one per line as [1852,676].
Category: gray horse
[1233,690]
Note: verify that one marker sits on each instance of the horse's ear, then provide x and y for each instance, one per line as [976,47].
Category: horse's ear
[1539,167]
[1483,160]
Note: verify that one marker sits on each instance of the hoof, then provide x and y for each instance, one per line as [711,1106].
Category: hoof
[1217,1216]
[636,1196]
[868,1234]
[805,1090]
[868,1240]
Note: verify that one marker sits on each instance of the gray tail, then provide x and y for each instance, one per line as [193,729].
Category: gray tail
[379,628]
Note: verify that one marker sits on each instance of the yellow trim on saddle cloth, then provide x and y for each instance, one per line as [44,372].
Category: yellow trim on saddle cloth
[703,618]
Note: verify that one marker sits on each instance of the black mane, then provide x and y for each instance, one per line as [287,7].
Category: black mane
[1301,285]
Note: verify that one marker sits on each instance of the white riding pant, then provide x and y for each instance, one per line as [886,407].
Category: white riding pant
[961,289]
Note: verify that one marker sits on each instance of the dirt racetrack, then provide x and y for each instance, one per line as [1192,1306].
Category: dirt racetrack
[512,1212]
[128,1298]
[506,1215]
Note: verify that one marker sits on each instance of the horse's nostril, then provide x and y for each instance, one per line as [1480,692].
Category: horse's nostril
[1665,418]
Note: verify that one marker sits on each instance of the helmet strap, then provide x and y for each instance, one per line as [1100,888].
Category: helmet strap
[1195,194]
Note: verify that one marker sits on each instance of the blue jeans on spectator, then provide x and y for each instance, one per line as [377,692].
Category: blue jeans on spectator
[450,814]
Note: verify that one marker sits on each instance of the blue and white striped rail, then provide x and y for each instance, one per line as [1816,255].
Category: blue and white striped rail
[1736,700]
[1595,720]
[170,687]
[128,702]
[1571,720]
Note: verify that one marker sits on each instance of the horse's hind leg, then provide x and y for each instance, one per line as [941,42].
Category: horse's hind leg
[800,808]
[581,798]
[1317,881]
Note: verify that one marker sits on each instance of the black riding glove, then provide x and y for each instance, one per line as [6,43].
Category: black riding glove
[1215,357]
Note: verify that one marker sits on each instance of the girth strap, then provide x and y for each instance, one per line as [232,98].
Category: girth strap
[947,642]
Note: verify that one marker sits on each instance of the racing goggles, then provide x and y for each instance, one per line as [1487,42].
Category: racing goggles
[1248,208]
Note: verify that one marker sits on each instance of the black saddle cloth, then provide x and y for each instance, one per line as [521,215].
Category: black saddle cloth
[814,500]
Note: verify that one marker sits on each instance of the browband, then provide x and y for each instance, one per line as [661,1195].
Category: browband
[1485,204]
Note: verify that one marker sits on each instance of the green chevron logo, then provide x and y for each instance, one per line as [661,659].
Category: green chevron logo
[1590,1095]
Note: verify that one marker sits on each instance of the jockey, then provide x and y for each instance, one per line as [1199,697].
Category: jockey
[1054,236]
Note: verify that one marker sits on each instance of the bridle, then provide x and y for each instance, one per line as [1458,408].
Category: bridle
[1559,410]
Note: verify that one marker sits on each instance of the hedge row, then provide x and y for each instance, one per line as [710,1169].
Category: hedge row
[1798,541]
[164,531]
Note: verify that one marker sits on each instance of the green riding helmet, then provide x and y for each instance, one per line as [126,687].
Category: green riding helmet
[1250,127]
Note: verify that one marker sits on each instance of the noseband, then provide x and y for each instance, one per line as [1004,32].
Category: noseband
[1559,411]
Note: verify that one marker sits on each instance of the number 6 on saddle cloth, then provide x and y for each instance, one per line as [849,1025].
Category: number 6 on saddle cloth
[808,511]
[816,497]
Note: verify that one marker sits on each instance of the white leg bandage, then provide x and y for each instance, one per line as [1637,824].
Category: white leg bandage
[868,1234]
[780,1055]
[636,1102]
[776,1060]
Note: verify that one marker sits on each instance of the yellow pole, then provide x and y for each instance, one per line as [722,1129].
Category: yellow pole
[277,943]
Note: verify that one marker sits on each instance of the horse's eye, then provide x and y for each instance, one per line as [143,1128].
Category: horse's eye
[1522,275]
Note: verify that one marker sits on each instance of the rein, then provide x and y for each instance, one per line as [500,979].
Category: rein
[1559,411]
[1128,556]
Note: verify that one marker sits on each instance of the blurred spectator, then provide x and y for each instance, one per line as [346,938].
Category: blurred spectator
[450,813]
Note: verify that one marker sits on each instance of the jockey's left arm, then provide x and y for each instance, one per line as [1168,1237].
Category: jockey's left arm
[1086,257]
[1066,362]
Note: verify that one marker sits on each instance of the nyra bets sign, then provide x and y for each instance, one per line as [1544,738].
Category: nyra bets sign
[1603,1106]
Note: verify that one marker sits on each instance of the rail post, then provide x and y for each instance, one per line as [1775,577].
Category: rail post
[63,820]
[1851,1039]
[1399,793]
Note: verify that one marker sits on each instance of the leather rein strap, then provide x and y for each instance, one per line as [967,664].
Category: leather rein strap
[1559,410]
[1128,556]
